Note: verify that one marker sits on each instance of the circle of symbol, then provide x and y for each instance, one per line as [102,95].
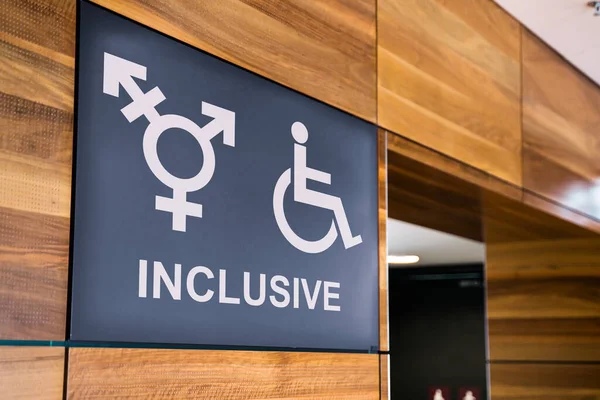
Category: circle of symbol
[153,132]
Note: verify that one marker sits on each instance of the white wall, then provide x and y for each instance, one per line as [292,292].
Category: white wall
[568,26]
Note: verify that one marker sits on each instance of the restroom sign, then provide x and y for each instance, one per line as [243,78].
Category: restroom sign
[213,206]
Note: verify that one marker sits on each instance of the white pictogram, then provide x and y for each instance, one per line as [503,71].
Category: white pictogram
[303,173]
[438,395]
[469,396]
[120,72]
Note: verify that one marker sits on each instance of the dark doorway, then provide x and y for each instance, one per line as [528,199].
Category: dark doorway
[437,333]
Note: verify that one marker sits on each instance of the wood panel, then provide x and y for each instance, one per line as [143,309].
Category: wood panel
[223,375]
[415,151]
[32,372]
[325,49]
[424,196]
[37,45]
[552,208]
[420,192]
[449,78]
[561,115]
[385,376]
[545,382]
[544,300]
[383,266]
[506,220]
[421,180]
[34,252]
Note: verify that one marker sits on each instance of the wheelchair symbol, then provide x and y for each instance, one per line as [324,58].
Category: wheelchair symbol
[303,173]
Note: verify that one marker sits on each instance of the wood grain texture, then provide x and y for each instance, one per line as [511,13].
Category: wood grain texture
[223,375]
[552,208]
[384,336]
[449,79]
[325,49]
[425,196]
[506,220]
[384,364]
[34,250]
[432,190]
[32,372]
[37,40]
[513,213]
[441,162]
[545,382]
[429,197]
[429,189]
[561,115]
[37,46]
[544,300]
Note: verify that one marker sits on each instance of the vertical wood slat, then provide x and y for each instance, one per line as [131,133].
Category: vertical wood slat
[383,266]
[32,372]
[220,375]
[325,49]
[384,370]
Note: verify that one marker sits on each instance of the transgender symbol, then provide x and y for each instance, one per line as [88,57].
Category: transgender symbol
[120,72]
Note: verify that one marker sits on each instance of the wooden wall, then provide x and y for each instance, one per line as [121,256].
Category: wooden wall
[466,80]
[545,382]
[37,47]
[544,300]
[32,372]
[543,277]
[561,116]
[325,49]
[220,375]
[544,292]
[488,132]
[544,317]
[449,78]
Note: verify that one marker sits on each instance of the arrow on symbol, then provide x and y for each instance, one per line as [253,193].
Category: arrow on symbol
[120,72]
[224,121]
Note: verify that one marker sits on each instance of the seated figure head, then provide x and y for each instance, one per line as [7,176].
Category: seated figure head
[299,132]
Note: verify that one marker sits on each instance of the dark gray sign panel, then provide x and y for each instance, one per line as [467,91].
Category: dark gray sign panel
[215,207]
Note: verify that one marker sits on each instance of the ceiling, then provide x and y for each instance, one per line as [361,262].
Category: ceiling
[568,26]
[433,247]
